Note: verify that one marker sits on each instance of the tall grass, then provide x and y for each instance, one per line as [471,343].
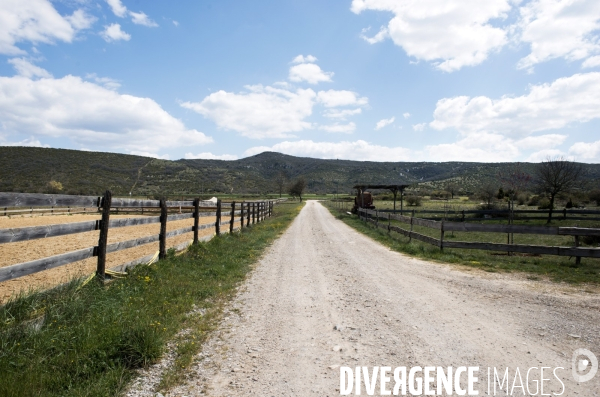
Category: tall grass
[88,341]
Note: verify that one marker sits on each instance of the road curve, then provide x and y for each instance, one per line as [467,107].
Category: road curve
[279,336]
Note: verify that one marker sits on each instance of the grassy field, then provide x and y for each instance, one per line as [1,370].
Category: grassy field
[88,340]
[553,267]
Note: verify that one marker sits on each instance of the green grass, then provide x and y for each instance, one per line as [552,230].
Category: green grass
[555,268]
[88,341]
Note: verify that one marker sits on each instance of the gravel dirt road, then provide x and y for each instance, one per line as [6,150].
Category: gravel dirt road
[326,296]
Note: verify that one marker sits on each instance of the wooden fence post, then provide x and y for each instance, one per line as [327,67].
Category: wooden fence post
[577,258]
[162,237]
[242,215]
[253,213]
[442,236]
[218,221]
[232,217]
[377,219]
[196,219]
[103,238]
[248,211]
[389,222]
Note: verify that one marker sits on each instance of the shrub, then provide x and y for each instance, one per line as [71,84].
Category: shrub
[543,204]
[521,199]
[413,200]
[595,196]
[534,200]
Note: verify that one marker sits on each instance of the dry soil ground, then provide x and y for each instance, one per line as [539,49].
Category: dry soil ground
[13,253]
[326,296]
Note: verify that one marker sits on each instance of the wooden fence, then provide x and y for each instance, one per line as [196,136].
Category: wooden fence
[501,214]
[383,220]
[225,214]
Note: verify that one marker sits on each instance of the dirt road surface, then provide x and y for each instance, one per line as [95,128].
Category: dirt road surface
[326,296]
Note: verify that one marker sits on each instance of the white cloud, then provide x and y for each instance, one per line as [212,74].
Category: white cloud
[586,151]
[27,69]
[107,82]
[541,141]
[149,154]
[591,62]
[481,147]
[559,29]
[89,116]
[310,73]
[262,112]
[406,115]
[210,156]
[357,150]
[304,59]
[419,127]
[31,141]
[335,98]
[37,21]
[341,114]
[117,8]
[450,33]
[113,32]
[546,106]
[384,122]
[339,128]
[139,18]
[380,36]
[175,23]
[545,154]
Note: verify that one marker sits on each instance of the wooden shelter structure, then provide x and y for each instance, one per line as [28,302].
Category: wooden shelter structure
[393,188]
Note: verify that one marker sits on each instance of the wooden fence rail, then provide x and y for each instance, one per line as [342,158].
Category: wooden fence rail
[378,218]
[105,205]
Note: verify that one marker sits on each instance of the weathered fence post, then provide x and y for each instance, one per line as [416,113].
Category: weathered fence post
[253,213]
[377,219]
[463,216]
[248,205]
[242,215]
[103,237]
[218,222]
[389,222]
[196,219]
[232,217]
[577,258]
[162,236]
[442,236]
[564,213]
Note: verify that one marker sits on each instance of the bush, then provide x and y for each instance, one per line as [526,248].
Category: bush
[595,196]
[534,200]
[521,199]
[413,200]
[543,204]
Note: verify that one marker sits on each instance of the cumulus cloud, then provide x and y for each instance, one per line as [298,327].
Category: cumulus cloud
[27,69]
[541,141]
[210,156]
[482,147]
[309,72]
[107,82]
[149,154]
[260,112]
[559,29]
[139,18]
[380,36]
[31,141]
[117,8]
[384,122]
[586,151]
[406,115]
[419,127]
[335,98]
[356,150]
[546,106]
[450,33]
[113,32]
[304,59]
[545,154]
[339,128]
[37,21]
[591,62]
[89,116]
[341,114]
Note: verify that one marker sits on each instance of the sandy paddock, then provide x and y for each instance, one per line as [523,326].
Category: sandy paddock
[13,253]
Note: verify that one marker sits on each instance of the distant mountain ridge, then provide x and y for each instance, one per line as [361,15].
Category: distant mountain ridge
[27,169]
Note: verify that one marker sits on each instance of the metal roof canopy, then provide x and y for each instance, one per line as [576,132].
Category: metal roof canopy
[393,188]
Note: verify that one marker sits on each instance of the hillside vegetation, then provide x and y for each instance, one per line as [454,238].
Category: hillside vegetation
[26,169]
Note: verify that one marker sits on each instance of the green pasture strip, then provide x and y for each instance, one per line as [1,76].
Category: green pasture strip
[88,340]
[556,268]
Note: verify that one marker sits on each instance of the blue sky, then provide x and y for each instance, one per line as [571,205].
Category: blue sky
[379,80]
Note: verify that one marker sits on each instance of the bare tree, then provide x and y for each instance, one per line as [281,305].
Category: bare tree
[297,188]
[280,181]
[515,180]
[555,176]
[487,192]
[452,188]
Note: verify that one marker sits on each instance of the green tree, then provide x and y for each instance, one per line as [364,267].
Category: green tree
[297,188]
